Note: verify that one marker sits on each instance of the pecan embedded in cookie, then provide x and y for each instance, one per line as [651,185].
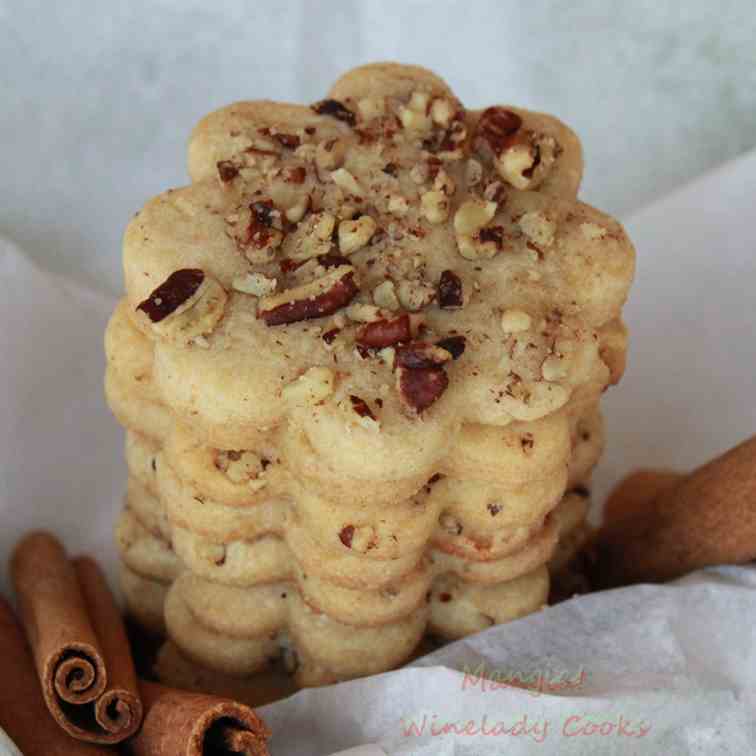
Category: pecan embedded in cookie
[178,288]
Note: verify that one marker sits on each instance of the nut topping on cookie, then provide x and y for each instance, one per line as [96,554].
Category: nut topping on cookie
[361,410]
[256,229]
[415,295]
[227,171]
[177,289]
[435,206]
[450,292]
[497,127]
[455,345]
[420,354]
[346,534]
[385,332]
[255,284]
[384,295]
[289,141]
[322,297]
[312,237]
[361,407]
[419,388]
[355,234]
[329,155]
[335,109]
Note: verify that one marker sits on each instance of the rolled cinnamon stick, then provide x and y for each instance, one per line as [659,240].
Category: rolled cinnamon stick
[705,518]
[179,723]
[23,713]
[118,710]
[73,651]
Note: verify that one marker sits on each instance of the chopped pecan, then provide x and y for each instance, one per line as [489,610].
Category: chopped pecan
[421,354]
[179,287]
[289,266]
[290,141]
[227,171]
[498,126]
[355,234]
[346,534]
[314,300]
[256,284]
[384,295]
[493,509]
[256,229]
[330,154]
[419,388]
[493,234]
[386,332]
[455,345]
[294,174]
[331,261]
[330,336]
[435,206]
[414,295]
[361,407]
[336,110]
[450,292]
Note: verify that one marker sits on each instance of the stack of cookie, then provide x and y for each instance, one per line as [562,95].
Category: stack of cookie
[359,361]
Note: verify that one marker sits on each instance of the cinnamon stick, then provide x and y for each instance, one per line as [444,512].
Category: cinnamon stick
[705,518]
[638,491]
[73,651]
[179,723]
[23,713]
[118,710]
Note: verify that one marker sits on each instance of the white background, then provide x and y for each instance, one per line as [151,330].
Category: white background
[97,97]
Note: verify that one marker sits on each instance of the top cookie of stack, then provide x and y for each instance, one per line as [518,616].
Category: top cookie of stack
[376,270]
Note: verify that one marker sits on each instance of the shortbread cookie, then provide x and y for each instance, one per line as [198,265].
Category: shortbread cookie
[319,641]
[136,413]
[144,599]
[458,608]
[143,552]
[142,454]
[360,359]
[554,256]
[148,509]
[129,354]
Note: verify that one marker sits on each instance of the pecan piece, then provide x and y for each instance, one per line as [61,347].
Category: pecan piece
[361,407]
[290,141]
[498,126]
[386,332]
[256,230]
[346,535]
[322,297]
[420,354]
[336,110]
[330,336]
[455,345]
[450,294]
[227,171]
[419,388]
[180,286]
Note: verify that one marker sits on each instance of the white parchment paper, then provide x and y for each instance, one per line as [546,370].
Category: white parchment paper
[668,669]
